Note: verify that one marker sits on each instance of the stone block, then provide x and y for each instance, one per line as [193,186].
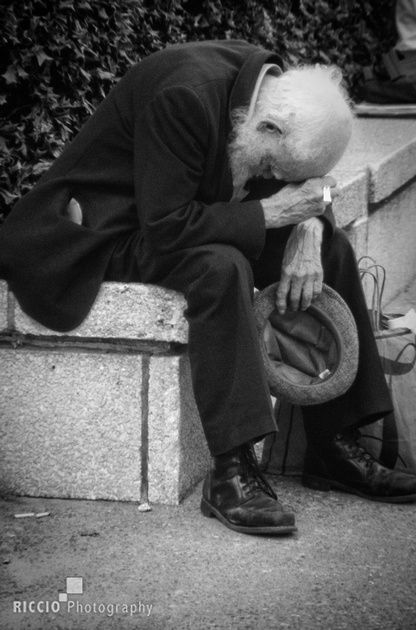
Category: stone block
[353,199]
[3,305]
[178,455]
[392,238]
[125,311]
[70,424]
[392,172]
[387,147]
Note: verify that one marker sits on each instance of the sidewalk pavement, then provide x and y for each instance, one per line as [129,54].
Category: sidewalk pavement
[352,565]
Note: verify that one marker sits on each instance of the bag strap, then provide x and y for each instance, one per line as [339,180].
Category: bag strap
[378,274]
[389,442]
[393,367]
[375,305]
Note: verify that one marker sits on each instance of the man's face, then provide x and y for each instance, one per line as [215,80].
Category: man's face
[252,153]
[267,147]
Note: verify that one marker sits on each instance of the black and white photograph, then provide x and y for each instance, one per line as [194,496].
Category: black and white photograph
[208,315]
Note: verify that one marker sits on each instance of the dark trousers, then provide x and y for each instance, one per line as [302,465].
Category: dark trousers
[229,383]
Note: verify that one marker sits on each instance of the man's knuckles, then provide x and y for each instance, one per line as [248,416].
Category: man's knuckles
[313,188]
[301,277]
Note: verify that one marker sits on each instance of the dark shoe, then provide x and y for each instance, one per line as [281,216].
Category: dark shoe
[399,91]
[236,492]
[345,465]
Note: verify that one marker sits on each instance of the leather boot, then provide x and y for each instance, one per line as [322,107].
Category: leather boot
[345,465]
[237,493]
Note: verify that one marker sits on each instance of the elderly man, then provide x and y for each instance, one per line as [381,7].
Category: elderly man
[202,171]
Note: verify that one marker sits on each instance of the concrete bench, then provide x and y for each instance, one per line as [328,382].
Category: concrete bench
[107,411]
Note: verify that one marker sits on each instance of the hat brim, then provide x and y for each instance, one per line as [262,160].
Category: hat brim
[333,312]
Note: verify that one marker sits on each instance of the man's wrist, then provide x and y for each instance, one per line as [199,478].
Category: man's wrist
[271,214]
[265,204]
[313,227]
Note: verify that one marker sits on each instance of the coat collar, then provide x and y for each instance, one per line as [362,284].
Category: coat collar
[243,87]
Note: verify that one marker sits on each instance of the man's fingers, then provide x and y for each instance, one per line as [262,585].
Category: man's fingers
[281,295]
[295,293]
[311,289]
[329,181]
[319,208]
[307,294]
[323,194]
[329,189]
[299,292]
[317,288]
[333,193]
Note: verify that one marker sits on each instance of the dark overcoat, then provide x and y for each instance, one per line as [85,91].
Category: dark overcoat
[150,164]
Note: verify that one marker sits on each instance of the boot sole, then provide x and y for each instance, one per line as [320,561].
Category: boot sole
[277,530]
[324,485]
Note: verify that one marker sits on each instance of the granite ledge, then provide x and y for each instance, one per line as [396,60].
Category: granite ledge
[392,172]
[385,148]
[123,310]
[352,202]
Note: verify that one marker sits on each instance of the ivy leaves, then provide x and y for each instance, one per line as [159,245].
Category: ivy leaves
[59,58]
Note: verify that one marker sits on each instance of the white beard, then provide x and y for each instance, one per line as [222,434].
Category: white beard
[237,149]
[246,152]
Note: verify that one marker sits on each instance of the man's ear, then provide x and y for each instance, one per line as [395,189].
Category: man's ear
[269,126]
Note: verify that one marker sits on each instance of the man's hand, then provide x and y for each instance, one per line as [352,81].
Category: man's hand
[302,273]
[297,202]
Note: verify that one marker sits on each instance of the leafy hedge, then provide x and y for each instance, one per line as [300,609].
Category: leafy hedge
[59,58]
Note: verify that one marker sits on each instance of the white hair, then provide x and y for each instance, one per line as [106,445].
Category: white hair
[318,82]
[315,105]
[299,127]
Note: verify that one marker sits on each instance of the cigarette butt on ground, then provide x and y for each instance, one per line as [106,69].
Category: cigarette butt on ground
[144,507]
[31,514]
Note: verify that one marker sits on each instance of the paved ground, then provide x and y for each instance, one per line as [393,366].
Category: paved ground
[352,565]
[405,300]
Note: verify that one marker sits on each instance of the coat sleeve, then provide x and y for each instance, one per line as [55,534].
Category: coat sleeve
[174,142]
[263,188]
[328,219]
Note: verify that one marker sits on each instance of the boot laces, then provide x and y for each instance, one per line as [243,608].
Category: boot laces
[357,451]
[252,473]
